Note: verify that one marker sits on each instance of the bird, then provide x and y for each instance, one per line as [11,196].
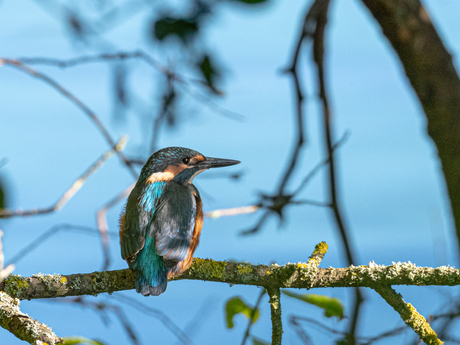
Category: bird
[161,223]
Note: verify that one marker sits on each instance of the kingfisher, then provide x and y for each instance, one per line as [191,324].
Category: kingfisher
[161,224]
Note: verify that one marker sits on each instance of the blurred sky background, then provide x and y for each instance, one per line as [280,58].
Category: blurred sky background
[390,179]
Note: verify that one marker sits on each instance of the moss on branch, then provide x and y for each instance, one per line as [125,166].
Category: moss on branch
[23,326]
[291,275]
[409,314]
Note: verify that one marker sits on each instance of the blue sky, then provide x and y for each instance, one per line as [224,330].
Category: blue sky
[390,179]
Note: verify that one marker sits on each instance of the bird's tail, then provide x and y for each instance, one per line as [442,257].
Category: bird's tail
[151,273]
[151,287]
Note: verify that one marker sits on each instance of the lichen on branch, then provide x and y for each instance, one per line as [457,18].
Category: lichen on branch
[291,275]
[22,325]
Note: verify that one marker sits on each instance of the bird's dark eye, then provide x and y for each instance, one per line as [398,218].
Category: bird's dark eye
[186,160]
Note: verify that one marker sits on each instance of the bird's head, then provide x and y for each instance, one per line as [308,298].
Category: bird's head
[179,164]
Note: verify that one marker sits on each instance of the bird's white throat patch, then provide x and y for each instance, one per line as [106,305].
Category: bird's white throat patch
[193,176]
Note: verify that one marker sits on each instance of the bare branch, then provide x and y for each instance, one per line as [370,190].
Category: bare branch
[337,209]
[76,186]
[103,309]
[151,62]
[39,240]
[4,272]
[253,313]
[104,227]
[156,313]
[234,211]
[67,94]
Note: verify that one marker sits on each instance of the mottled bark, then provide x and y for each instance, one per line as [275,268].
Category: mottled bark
[298,275]
[409,314]
[22,325]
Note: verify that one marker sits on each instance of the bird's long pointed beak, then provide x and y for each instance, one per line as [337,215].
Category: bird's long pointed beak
[211,162]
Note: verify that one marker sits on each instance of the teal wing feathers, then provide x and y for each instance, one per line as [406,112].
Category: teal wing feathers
[173,223]
[140,210]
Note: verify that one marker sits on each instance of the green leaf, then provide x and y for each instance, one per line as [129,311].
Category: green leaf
[210,72]
[235,306]
[184,28]
[81,340]
[332,306]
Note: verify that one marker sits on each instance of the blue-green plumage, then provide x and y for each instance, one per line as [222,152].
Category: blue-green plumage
[160,228]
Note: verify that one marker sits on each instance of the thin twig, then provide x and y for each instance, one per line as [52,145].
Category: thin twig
[321,164]
[306,31]
[35,243]
[294,320]
[104,227]
[67,94]
[251,318]
[150,61]
[4,272]
[197,320]
[76,186]
[158,314]
[289,197]
[318,57]
[234,211]
[102,308]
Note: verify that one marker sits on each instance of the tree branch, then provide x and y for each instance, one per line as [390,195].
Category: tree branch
[431,72]
[275,307]
[72,98]
[409,314]
[298,275]
[76,186]
[292,275]
[22,325]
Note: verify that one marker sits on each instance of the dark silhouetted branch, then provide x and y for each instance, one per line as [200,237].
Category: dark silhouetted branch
[337,209]
[432,74]
[150,61]
[251,317]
